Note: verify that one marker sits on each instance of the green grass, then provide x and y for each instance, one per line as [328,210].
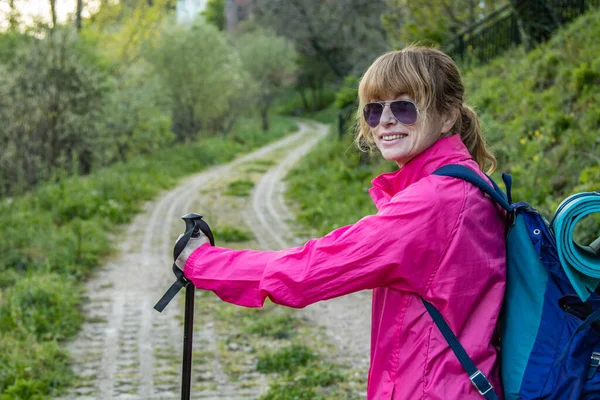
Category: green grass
[541,115]
[54,236]
[240,188]
[231,234]
[285,360]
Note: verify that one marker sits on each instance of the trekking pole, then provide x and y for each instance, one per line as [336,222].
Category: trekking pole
[193,225]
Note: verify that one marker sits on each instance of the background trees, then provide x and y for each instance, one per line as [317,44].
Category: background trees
[202,74]
[270,62]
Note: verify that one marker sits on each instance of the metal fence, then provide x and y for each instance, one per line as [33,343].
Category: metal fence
[524,21]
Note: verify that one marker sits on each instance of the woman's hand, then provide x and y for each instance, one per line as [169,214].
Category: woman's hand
[192,245]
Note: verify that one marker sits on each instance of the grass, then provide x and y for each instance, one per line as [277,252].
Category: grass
[285,360]
[240,188]
[281,346]
[54,236]
[541,115]
[231,234]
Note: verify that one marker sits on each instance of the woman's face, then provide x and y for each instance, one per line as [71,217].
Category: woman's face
[400,143]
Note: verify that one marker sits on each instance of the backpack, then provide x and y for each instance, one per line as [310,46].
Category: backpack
[550,322]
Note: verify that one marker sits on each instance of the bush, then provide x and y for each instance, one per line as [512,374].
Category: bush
[54,236]
[43,306]
[51,95]
[30,369]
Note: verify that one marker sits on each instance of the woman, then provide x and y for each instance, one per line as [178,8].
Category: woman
[435,237]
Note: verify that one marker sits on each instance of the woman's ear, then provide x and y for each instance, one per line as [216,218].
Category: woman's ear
[449,120]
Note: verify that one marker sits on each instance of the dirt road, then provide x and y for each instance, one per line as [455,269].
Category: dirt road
[126,350]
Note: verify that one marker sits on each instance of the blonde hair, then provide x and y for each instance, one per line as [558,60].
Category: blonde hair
[431,78]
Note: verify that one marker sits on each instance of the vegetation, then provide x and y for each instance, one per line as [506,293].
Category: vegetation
[54,236]
[541,117]
[100,113]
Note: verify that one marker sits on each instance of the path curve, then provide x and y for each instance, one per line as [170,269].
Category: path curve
[127,350]
[346,319]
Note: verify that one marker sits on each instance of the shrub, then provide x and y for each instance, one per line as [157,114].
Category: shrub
[43,306]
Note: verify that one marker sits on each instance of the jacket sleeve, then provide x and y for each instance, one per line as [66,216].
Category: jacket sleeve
[399,247]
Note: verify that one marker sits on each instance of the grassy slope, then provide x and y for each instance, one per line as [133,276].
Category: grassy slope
[53,237]
[541,114]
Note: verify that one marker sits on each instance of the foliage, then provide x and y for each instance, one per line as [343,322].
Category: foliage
[41,305]
[30,369]
[333,39]
[52,237]
[348,93]
[10,42]
[543,117]
[269,61]
[215,13]
[50,101]
[123,28]
[202,75]
[433,21]
[140,118]
[331,175]
[540,114]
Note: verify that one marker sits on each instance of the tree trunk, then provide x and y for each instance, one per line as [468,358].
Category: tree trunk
[78,16]
[303,96]
[13,18]
[264,113]
[53,11]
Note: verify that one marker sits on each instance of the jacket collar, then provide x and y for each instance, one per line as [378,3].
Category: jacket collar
[448,150]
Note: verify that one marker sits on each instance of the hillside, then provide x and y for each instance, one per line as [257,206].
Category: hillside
[541,114]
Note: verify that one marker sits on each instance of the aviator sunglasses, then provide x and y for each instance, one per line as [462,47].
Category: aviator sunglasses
[404,111]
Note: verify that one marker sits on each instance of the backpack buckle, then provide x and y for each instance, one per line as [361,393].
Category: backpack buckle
[481,383]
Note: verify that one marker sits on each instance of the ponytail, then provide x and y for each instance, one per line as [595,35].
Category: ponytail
[470,132]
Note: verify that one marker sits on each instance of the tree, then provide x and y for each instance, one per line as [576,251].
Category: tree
[53,13]
[214,13]
[78,14]
[201,73]
[343,35]
[536,19]
[123,28]
[51,96]
[434,21]
[270,63]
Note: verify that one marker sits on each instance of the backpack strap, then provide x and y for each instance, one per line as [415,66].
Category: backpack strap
[478,379]
[467,174]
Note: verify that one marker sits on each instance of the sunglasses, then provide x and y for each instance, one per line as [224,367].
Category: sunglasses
[404,111]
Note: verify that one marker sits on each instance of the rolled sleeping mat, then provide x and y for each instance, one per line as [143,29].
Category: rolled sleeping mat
[581,263]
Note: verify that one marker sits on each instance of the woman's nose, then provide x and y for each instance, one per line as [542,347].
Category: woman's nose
[387,117]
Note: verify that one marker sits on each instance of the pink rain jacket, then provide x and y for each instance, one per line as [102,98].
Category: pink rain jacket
[436,237]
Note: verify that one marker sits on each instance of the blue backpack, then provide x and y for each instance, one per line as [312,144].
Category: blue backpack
[550,323]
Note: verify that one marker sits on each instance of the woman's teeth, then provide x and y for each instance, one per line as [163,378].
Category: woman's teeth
[393,137]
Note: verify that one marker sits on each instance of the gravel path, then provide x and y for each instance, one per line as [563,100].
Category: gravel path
[127,350]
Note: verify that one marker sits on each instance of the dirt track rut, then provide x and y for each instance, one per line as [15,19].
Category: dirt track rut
[126,350]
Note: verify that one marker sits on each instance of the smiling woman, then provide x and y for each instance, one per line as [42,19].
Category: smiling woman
[434,238]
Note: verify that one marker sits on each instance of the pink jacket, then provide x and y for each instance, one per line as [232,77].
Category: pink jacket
[436,237]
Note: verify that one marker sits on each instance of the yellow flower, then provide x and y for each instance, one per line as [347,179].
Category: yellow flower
[469,47]
[537,132]
[522,141]
[536,158]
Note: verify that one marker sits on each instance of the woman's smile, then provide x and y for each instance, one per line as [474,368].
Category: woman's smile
[391,137]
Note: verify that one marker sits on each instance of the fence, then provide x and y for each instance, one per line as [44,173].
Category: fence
[529,21]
